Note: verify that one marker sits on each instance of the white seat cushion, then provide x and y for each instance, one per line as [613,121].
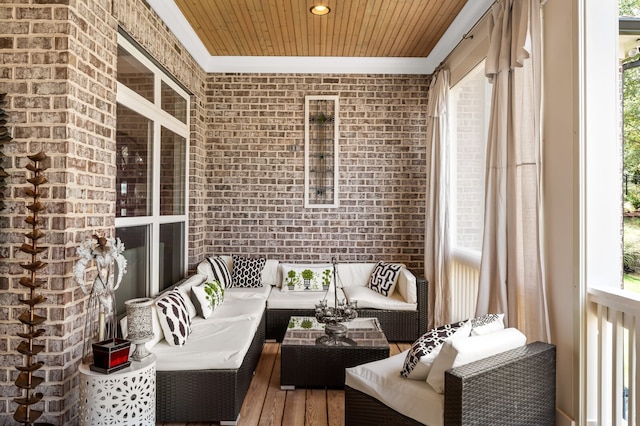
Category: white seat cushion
[219,342]
[368,298]
[248,293]
[382,381]
[279,299]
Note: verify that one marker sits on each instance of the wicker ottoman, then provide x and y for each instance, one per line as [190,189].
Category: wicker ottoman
[307,364]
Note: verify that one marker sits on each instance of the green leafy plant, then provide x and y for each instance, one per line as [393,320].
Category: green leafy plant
[291,279]
[306,324]
[633,199]
[630,257]
[215,293]
[307,276]
[326,278]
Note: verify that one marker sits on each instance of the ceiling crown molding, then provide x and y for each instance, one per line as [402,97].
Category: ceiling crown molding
[171,15]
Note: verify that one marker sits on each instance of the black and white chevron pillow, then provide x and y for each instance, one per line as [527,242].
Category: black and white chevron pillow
[220,271]
[174,318]
[384,277]
[247,272]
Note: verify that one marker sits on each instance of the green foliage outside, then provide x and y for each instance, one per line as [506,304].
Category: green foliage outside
[629,8]
[631,99]
[631,255]
[631,138]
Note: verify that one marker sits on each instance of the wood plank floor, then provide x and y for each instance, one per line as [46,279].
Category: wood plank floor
[265,404]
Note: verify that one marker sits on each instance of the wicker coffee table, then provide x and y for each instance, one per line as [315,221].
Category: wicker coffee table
[305,363]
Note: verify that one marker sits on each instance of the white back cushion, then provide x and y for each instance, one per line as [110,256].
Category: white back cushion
[469,349]
[350,274]
[406,286]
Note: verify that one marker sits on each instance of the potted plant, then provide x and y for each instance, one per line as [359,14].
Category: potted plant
[326,279]
[307,276]
[291,279]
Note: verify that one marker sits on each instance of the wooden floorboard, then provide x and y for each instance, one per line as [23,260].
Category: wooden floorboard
[266,405]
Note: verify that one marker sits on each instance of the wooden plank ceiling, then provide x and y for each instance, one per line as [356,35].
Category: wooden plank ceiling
[360,28]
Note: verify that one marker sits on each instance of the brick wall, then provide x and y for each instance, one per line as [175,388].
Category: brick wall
[255,173]
[61,96]
[58,65]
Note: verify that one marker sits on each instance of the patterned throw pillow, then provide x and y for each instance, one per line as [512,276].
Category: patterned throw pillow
[174,318]
[384,277]
[486,324]
[206,297]
[220,271]
[247,272]
[306,277]
[424,351]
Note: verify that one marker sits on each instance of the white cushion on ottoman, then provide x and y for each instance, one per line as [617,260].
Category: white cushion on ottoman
[382,381]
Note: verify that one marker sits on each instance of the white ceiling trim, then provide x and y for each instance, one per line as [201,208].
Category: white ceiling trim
[177,23]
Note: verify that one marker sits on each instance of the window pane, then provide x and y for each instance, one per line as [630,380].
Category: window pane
[470,100]
[134,139]
[134,75]
[134,282]
[172,173]
[171,253]
[173,103]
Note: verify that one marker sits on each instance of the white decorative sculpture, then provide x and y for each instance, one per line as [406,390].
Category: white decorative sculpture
[107,253]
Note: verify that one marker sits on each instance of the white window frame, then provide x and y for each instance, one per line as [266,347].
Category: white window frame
[159,118]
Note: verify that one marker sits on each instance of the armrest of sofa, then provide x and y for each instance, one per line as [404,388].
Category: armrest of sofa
[519,385]
[422,286]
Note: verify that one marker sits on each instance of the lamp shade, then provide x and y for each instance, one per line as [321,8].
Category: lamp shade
[139,319]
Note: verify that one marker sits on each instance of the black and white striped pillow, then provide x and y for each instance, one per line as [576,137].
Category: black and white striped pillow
[220,271]
[384,277]
[174,318]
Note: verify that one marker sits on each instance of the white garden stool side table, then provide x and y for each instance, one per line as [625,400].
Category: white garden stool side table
[125,397]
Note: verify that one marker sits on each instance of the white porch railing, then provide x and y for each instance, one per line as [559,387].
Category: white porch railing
[465,267]
[613,341]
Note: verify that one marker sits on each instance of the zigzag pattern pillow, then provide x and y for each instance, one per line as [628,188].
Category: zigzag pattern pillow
[174,318]
[424,351]
[247,272]
[384,277]
[220,271]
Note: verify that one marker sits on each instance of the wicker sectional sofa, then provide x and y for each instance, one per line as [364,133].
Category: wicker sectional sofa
[207,379]
[403,324]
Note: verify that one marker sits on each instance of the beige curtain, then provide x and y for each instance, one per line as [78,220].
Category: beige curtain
[437,224]
[512,266]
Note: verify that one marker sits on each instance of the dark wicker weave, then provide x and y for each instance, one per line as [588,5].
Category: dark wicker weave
[515,388]
[207,395]
[398,326]
[306,364]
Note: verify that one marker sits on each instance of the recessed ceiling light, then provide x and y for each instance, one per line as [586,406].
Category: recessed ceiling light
[320,10]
